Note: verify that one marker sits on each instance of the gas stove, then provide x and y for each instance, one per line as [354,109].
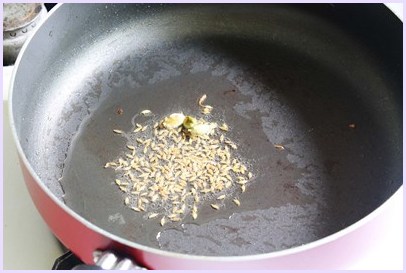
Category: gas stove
[29,244]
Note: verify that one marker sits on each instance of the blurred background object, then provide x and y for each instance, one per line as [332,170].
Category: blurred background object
[19,22]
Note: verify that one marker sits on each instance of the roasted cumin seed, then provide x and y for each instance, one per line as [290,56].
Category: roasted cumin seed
[172,169]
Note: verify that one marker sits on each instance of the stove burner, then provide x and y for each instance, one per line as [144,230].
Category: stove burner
[67,261]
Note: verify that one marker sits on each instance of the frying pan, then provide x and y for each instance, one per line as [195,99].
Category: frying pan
[324,81]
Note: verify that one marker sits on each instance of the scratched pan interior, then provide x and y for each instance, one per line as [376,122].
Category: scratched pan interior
[295,75]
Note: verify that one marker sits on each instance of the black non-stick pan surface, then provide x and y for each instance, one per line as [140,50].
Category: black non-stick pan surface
[324,81]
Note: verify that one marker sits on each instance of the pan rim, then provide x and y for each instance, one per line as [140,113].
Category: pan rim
[286,252]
